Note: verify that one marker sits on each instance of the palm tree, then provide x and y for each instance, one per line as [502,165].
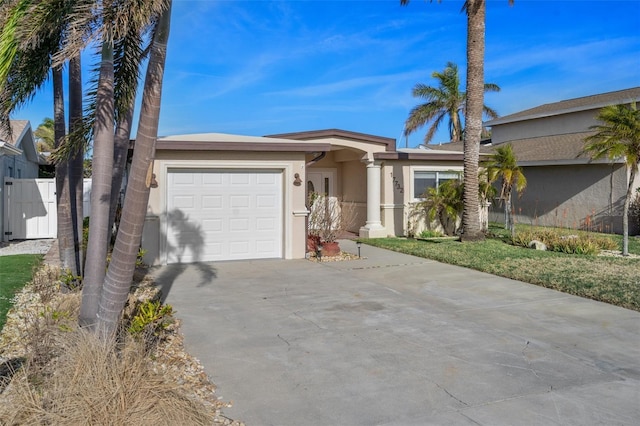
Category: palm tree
[476,12]
[444,203]
[39,35]
[446,100]
[503,165]
[120,272]
[45,137]
[618,137]
[102,168]
[32,32]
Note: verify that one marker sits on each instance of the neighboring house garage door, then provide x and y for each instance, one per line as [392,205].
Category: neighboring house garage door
[223,215]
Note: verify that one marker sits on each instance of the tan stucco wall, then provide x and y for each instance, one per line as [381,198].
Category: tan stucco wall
[589,196]
[397,197]
[354,191]
[547,126]
[294,238]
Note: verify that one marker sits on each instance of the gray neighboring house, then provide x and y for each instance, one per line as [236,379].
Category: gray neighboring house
[19,158]
[565,188]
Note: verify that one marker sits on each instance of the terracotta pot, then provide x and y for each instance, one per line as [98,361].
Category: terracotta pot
[312,243]
[330,248]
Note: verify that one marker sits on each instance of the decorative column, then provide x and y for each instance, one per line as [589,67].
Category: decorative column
[373,227]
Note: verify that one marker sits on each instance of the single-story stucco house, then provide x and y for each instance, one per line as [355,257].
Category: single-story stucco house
[19,159]
[565,188]
[227,197]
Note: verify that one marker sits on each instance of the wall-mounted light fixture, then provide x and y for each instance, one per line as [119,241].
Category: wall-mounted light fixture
[297,181]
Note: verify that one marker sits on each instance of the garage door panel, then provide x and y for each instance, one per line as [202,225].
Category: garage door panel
[212,202]
[183,179]
[266,201]
[184,202]
[212,225]
[239,224]
[212,178]
[265,224]
[240,201]
[265,246]
[230,215]
[240,179]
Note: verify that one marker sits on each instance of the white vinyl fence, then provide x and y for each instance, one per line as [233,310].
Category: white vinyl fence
[30,210]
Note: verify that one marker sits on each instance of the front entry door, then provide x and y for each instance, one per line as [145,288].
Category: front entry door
[320,182]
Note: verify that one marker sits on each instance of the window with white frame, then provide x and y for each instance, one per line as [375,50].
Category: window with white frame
[424,179]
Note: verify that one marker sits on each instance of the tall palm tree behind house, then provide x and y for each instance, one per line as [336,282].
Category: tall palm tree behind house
[444,101]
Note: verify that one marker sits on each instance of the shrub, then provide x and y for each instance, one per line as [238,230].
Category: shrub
[428,233]
[634,209]
[151,317]
[99,384]
[558,241]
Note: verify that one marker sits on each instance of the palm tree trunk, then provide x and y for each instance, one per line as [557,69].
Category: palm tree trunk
[120,151]
[76,162]
[625,212]
[511,223]
[65,223]
[102,169]
[120,273]
[471,228]
[506,214]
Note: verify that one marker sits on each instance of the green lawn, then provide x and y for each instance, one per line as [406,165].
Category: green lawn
[15,272]
[608,279]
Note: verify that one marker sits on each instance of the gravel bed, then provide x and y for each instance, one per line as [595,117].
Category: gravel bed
[25,247]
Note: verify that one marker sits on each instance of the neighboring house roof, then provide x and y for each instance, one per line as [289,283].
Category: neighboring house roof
[227,142]
[553,150]
[21,139]
[571,105]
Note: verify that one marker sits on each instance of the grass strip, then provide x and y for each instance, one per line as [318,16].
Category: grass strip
[15,272]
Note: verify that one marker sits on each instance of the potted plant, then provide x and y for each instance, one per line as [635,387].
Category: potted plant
[329,217]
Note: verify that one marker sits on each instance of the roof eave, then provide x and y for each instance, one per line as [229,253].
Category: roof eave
[507,120]
[566,162]
[168,145]
[8,149]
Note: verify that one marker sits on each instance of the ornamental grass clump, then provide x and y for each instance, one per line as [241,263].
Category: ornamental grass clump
[558,241]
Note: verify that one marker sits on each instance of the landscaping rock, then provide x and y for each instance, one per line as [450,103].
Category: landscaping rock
[538,245]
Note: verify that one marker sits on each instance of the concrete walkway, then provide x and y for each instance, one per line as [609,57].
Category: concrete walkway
[398,340]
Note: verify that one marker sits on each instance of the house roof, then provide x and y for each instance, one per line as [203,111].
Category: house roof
[553,150]
[21,139]
[228,142]
[571,105]
[388,143]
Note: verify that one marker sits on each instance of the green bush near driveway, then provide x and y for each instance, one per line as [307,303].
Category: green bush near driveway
[15,272]
[612,280]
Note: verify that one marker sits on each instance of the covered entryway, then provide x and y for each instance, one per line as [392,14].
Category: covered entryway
[224,214]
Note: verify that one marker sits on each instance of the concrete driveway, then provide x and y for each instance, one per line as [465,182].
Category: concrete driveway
[399,340]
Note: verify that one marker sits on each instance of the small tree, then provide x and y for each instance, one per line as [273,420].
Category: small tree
[329,217]
[618,137]
[503,165]
[444,204]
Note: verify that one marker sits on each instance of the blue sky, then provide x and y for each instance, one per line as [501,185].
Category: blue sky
[265,67]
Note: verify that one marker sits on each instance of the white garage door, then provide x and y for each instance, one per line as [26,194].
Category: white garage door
[223,215]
